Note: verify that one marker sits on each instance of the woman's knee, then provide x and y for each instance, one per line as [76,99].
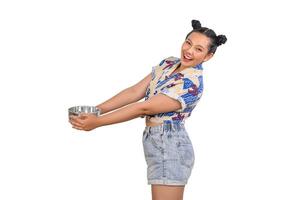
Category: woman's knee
[167,192]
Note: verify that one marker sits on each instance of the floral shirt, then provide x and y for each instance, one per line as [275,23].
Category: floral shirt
[185,86]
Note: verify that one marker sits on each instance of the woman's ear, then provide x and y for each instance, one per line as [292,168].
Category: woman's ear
[208,57]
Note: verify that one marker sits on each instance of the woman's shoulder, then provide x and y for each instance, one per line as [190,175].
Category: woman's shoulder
[164,65]
[169,60]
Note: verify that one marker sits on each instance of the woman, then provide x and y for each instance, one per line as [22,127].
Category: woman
[171,92]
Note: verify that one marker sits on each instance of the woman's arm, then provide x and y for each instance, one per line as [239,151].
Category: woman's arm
[156,104]
[126,96]
[159,103]
[169,99]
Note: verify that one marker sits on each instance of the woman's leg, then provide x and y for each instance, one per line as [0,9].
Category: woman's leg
[167,192]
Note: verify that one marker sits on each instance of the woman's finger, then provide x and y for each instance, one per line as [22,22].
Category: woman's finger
[76,120]
[75,123]
[78,128]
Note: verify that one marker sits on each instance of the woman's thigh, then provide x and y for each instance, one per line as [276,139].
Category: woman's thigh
[167,192]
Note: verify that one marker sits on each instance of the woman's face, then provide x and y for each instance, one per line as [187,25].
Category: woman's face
[195,50]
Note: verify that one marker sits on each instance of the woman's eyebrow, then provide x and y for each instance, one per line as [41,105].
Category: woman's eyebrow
[196,45]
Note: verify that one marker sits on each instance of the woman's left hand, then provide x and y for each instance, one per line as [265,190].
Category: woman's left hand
[85,122]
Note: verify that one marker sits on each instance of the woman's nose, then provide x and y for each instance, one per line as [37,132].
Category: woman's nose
[189,51]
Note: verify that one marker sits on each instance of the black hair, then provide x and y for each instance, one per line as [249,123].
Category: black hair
[216,40]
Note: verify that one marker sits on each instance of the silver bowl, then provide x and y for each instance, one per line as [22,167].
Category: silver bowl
[77,110]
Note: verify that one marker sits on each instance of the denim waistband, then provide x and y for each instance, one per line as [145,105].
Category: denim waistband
[166,126]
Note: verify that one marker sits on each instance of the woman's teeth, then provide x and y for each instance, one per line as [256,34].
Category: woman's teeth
[187,58]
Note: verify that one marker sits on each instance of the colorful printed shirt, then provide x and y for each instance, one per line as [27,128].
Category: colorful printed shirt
[185,86]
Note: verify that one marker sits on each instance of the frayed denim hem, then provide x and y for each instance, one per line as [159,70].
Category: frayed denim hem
[166,182]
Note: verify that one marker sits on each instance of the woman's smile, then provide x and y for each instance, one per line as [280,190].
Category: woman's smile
[186,58]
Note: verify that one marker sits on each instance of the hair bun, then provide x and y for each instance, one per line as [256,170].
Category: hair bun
[196,24]
[221,39]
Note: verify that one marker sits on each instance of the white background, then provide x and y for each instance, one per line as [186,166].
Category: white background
[57,54]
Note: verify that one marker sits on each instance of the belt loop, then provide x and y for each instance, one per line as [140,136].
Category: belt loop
[165,127]
[175,126]
[147,129]
[151,129]
[169,126]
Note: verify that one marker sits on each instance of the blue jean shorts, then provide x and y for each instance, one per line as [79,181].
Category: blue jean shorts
[169,154]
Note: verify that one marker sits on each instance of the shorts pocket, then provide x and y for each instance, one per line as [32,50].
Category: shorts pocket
[186,151]
[152,145]
[156,140]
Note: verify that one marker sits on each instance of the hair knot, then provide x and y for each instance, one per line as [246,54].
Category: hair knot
[196,24]
[221,39]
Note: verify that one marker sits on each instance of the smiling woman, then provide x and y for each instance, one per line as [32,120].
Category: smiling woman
[171,91]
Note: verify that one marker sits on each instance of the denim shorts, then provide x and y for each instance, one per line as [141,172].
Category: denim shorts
[169,154]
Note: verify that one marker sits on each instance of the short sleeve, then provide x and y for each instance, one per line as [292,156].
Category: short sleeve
[186,90]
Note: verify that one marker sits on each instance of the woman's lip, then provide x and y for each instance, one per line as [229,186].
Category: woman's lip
[184,55]
[186,60]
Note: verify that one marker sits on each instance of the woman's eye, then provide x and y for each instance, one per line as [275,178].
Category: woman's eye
[188,42]
[199,49]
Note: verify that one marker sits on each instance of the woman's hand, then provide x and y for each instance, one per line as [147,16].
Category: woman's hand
[85,122]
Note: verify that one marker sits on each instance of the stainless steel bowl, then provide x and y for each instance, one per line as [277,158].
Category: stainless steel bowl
[77,110]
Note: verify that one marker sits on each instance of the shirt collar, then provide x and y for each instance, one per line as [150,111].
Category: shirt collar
[174,62]
[197,67]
